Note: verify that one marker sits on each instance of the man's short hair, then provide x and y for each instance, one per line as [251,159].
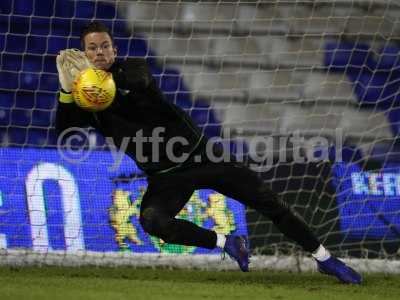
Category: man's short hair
[94,26]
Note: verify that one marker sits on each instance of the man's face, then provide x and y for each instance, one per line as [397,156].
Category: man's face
[99,50]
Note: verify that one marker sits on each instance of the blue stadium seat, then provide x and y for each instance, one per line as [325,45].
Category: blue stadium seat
[61,27]
[15,43]
[389,58]
[74,43]
[32,63]
[28,81]
[55,44]
[3,24]
[44,8]
[17,136]
[377,88]
[138,47]
[8,80]
[5,117]
[39,72]
[40,26]
[51,136]
[36,44]
[11,62]
[204,116]
[23,7]
[25,99]
[119,29]
[37,136]
[20,117]
[50,64]
[2,42]
[393,116]
[77,26]
[41,118]
[200,115]
[3,135]
[170,81]
[85,9]
[48,82]
[64,9]
[122,46]
[376,82]
[342,56]
[45,100]
[349,153]
[175,91]
[19,25]
[109,23]
[183,100]
[6,6]
[105,11]
[7,99]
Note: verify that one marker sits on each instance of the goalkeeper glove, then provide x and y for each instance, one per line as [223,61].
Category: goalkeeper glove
[69,63]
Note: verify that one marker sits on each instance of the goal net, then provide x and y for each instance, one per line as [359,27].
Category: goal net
[305,92]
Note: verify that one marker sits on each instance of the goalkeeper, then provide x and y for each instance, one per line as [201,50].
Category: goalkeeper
[139,106]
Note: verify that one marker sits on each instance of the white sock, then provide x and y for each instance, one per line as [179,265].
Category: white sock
[221,239]
[321,254]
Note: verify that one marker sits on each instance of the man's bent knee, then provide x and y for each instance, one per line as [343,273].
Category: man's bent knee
[155,223]
[269,203]
[148,220]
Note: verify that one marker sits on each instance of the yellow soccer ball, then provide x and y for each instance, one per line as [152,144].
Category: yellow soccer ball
[93,89]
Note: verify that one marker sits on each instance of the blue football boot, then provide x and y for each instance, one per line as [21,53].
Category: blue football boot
[335,267]
[237,248]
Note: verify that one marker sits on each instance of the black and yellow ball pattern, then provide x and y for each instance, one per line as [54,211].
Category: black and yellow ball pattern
[93,89]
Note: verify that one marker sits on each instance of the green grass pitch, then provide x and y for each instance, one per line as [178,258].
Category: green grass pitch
[127,283]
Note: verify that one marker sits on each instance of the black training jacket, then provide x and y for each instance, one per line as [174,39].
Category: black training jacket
[139,107]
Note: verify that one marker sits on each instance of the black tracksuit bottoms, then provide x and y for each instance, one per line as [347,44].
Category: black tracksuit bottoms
[167,194]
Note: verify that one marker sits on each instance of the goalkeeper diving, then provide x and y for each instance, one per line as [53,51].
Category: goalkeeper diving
[139,106]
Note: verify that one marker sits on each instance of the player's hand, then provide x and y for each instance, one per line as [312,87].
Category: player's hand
[76,60]
[64,75]
[69,63]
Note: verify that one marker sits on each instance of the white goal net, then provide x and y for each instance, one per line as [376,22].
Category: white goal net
[306,92]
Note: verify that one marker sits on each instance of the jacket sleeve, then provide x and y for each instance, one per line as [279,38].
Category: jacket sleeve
[70,115]
[133,73]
